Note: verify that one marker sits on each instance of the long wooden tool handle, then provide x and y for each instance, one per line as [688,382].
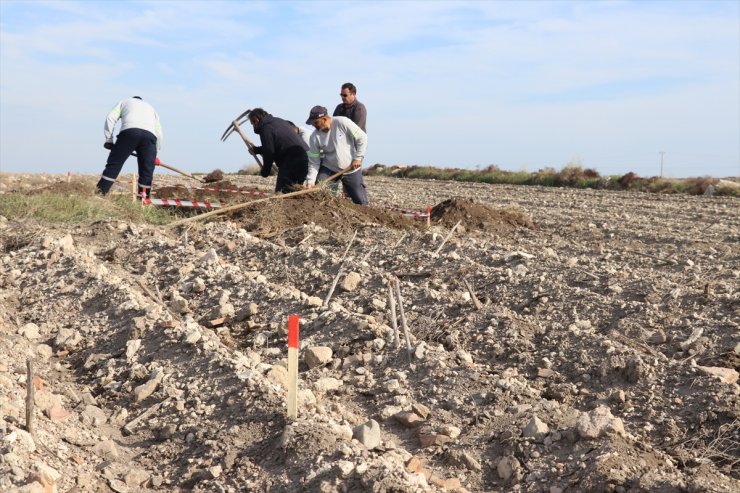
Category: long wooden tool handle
[250,146]
[318,187]
[179,171]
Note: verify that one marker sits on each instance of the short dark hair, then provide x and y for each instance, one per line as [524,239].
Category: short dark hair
[136,97]
[350,87]
[257,114]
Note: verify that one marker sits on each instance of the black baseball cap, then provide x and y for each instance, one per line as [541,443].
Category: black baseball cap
[316,113]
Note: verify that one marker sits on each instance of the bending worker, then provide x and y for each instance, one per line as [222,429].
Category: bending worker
[337,143]
[141,132]
[281,145]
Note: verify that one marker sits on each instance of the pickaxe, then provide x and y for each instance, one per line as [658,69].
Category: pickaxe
[236,126]
[160,163]
[157,162]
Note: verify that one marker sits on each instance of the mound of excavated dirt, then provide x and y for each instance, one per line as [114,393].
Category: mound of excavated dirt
[214,176]
[478,216]
[323,209]
[217,191]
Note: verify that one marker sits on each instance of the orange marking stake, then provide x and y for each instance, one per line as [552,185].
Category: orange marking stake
[293,330]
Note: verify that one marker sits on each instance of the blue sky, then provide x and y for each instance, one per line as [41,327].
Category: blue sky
[523,85]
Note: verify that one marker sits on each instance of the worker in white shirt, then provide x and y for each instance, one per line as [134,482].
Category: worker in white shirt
[141,132]
[336,144]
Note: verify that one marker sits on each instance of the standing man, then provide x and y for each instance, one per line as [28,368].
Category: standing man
[281,145]
[350,106]
[141,132]
[337,143]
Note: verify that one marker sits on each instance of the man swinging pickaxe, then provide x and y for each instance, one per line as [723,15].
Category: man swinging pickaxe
[236,126]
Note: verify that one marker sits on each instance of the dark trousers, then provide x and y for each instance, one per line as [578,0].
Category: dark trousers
[291,173]
[352,183]
[128,141]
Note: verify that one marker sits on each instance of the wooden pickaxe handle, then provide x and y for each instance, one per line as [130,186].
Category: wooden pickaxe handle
[160,163]
[250,146]
[318,187]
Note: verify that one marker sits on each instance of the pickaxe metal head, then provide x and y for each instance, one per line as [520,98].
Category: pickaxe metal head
[240,120]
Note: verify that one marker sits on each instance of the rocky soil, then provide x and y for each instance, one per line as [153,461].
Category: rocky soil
[558,340]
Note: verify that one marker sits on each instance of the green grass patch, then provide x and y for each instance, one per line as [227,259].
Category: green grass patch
[75,209]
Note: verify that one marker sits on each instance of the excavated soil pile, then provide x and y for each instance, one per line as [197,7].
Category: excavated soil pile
[215,192]
[214,176]
[338,215]
[478,216]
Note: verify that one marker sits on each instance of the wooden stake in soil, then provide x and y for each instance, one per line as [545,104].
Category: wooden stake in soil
[133,188]
[392,305]
[293,335]
[403,317]
[447,237]
[429,216]
[341,270]
[29,396]
[473,297]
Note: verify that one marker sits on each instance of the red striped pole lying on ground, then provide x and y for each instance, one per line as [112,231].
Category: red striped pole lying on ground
[182,203]
[293,330]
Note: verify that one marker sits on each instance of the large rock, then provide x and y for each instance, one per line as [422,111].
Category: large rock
[368,434]
[178,304]
[507,467]
[146,389]
[351,281]
[536,429]
[107,449]
[725,375]
[278,375]
[599,422]
[317,356]
[30,331]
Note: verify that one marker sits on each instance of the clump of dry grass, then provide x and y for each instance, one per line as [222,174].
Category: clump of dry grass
[721,447]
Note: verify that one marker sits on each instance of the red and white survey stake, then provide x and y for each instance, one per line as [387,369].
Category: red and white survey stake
[293,330]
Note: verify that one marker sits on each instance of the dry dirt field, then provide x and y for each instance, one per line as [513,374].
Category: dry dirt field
[559,340]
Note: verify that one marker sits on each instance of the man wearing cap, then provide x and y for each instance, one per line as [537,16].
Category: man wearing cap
[350,106]
[140,132]
[336,144]
[281,145]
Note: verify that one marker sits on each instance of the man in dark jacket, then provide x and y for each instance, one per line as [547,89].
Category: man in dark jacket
[281,145]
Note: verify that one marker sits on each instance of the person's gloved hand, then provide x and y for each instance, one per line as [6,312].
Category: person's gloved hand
[108,145]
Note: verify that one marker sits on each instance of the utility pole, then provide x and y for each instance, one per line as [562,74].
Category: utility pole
[661,163]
